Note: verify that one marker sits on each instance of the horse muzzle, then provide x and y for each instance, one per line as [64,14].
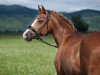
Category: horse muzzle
[28,35]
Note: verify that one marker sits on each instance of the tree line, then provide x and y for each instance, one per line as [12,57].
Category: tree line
[19,24]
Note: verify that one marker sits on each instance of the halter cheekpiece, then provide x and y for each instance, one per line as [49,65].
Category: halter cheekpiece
[45,22]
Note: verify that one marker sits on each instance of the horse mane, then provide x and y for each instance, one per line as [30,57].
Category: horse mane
[66,20]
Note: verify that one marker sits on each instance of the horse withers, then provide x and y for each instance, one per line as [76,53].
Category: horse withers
[77,54]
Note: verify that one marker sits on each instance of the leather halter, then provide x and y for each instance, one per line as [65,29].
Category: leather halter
[37,32]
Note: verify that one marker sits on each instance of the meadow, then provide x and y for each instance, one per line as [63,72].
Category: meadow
[18,57]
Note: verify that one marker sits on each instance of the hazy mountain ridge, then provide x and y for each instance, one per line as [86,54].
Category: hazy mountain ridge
[82,12]
[16,9]
[16,18]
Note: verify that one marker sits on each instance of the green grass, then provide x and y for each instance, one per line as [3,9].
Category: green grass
[18,57]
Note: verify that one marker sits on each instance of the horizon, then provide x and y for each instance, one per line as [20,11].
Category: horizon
[58,5]
[48,9]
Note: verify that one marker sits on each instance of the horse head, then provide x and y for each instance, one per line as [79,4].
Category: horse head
[40,26]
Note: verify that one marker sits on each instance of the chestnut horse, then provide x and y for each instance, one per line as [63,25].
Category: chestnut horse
[77,54]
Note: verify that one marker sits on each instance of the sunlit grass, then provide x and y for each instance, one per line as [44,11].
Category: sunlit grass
[18,57]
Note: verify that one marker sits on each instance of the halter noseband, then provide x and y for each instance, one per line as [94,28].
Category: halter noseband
[37,32]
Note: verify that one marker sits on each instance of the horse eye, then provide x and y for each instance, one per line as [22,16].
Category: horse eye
[37,17]
[41,21]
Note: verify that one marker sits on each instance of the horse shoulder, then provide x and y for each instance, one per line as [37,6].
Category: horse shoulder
[70,55]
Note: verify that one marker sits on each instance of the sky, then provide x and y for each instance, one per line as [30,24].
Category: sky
[58,5]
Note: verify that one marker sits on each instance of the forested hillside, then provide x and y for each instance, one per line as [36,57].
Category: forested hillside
[16,18]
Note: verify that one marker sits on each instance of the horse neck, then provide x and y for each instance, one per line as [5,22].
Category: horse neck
[61,28]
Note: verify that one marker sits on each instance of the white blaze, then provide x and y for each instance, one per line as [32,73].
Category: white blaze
[34,23]
[24,34]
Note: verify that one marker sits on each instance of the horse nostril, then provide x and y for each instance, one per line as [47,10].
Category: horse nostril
[24,36]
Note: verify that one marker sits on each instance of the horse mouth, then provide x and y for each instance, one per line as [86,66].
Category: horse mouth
[28,37]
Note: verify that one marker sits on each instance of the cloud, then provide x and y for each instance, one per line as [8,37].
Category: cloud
[20,2]
[27,3]
[83,4]
[58,5]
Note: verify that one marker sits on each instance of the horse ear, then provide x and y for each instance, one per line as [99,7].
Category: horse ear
[39,8]
[43,10]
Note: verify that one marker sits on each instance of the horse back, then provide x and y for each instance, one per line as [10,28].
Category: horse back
[92,40]
[90,54]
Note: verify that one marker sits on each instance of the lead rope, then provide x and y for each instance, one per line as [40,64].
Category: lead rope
[41,40]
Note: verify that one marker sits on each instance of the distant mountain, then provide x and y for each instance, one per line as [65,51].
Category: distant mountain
[92,17]
[16,9]
[86,12]
[15,18]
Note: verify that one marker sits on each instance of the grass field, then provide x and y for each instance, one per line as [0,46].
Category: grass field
[18,57]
